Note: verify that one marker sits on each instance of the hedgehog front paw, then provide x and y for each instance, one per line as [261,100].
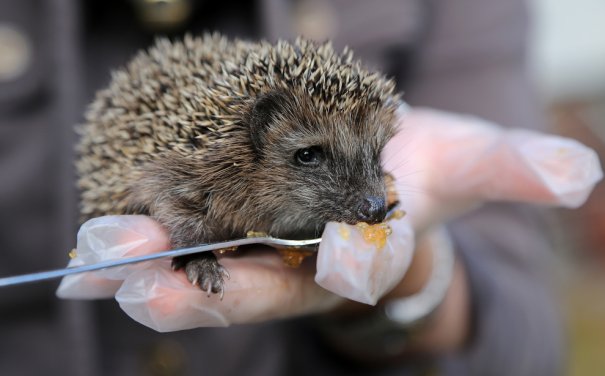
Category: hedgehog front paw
[203,270]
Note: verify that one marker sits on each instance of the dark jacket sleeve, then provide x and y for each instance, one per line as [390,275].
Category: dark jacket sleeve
[473,61]
[516,324]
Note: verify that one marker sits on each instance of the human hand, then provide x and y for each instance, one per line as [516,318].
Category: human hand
[443,164]
[261,287]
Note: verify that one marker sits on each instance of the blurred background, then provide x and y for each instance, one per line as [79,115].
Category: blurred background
[567,51]
[566,67]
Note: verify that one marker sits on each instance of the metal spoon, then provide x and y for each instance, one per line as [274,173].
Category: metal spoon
[307,245]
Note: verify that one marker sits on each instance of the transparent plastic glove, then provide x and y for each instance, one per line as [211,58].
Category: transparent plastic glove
[443,164]
[110,238]
[446,163]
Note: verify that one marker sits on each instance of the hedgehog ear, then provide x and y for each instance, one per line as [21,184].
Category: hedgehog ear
[263,114]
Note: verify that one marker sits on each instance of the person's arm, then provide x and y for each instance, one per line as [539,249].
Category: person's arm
[473,61]
[516,328]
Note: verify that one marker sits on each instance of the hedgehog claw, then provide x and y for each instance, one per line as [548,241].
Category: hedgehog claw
[209,288]
[204,271]
[224,272]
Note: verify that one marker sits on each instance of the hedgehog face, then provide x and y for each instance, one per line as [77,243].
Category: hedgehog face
[319,166]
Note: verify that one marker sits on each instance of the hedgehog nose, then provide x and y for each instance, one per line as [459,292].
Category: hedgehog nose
[372,209]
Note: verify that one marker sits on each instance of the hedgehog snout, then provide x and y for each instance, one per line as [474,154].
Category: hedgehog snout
[371,209]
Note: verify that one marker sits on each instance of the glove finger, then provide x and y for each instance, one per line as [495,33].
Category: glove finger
[86,285]
[260,288]
[459,158]
[564,168]
[360,270]
[108,238]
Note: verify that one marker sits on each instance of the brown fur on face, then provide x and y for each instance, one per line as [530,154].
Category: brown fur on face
[203,135]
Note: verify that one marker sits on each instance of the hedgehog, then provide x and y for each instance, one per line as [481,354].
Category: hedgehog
[215,137]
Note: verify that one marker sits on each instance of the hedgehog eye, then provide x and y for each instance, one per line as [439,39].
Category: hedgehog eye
[309,156]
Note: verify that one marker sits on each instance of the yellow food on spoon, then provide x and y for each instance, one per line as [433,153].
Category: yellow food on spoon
[375,234]
[293,257]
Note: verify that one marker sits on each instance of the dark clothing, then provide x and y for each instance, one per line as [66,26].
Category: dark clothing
[459,55]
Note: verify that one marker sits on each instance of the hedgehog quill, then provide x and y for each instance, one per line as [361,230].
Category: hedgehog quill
[214,138]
